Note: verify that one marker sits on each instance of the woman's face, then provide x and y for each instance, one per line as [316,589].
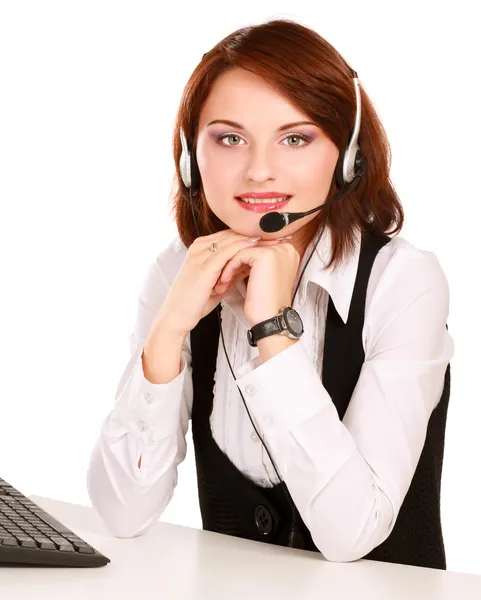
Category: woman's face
[255,156]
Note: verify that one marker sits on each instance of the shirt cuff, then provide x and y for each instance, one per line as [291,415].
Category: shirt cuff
[286,390]
[149,411]
[248,366]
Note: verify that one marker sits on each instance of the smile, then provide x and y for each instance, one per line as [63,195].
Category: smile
[265,205]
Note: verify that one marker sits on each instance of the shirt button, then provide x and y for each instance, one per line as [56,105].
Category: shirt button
[254,437]
[148,398]
[142,426]
[268,421]
[250,390]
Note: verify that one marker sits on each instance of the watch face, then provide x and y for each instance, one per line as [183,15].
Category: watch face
[294,321]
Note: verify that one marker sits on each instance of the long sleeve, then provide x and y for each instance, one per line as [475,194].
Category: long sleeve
[349,478]
[148,420]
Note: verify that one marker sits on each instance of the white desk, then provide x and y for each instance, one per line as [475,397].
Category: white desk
[171,562]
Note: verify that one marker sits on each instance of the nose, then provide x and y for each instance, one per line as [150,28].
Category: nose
[261,165]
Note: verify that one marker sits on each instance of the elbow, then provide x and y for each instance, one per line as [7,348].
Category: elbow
[121,521]
[342,553]
[120,518]
[354,534]
[130,522]
[345,550]
[122,528]
[337,547]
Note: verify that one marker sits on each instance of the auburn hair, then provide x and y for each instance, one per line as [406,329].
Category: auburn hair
[304,67]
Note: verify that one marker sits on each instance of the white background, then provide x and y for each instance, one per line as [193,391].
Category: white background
[89,92]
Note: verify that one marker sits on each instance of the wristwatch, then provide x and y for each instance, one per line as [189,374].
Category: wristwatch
[288,322]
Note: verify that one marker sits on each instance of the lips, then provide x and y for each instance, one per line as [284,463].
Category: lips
[263,195]
[262,207]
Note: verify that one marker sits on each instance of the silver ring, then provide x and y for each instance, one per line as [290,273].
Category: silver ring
[213,247]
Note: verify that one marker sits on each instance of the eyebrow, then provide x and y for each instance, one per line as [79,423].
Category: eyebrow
[282,128]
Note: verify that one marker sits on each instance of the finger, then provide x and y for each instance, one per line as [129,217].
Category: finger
[243,268]
[240,260]
[223,238]
[235,263]
[230,268]
[237,275]
[222,287]
[218,259]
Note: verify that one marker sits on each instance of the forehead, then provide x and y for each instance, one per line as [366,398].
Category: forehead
[244,96]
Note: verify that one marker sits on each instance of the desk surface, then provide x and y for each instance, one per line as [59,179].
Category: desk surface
[179,563]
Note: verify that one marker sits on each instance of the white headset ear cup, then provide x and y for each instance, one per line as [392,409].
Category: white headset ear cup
[184,170]
[184,162]
[349,163]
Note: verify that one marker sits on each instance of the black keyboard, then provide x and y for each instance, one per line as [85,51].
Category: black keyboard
[31,536]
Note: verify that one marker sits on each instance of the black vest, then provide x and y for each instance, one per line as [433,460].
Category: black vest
[232,504]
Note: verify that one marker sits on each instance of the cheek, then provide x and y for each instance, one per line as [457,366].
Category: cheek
[314,175]
[318,170]
[218,182]
[217,170]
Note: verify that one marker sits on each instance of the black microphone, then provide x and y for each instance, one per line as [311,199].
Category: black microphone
[275,221]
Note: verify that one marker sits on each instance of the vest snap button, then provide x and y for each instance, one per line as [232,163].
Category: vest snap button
[263,520]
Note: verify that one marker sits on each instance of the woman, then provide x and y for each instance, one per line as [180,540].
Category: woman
[329,438]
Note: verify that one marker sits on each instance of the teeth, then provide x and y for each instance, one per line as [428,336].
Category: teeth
[263,200]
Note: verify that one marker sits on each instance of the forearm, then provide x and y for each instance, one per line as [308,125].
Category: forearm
[271,345]
[161,356]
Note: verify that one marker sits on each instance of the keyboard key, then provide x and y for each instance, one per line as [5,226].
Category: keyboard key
[47,530]
[62,544]
[80,545]
[84,548]
[10,541]
[26,541]
[12,529]
[44,542]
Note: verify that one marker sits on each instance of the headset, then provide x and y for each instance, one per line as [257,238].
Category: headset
[350,168]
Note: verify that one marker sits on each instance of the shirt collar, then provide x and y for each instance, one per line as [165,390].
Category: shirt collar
[339,283]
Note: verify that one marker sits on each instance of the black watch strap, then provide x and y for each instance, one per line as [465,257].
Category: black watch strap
[263,329]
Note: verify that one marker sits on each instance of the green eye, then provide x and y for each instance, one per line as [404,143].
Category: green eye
[299,136]
[227,135]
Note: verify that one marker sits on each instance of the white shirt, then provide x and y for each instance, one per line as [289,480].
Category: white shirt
[348,478]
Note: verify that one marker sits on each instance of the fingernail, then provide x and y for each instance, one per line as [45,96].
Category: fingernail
[255,239]
[287,237]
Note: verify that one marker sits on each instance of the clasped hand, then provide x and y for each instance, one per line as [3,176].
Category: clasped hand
[271,266]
